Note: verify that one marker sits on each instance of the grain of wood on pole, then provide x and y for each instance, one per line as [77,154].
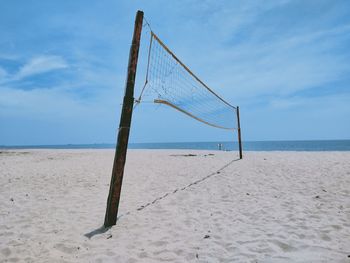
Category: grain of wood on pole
[239,134]
[124,128]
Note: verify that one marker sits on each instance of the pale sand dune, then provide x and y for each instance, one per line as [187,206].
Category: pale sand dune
[268,207]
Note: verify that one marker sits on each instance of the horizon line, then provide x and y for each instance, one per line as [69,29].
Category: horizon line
[218,141]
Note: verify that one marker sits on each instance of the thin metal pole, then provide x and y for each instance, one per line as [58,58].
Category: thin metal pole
[239,135]
[124,128]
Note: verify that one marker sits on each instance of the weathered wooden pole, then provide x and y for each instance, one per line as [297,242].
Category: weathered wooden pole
[239,134]
[124,128]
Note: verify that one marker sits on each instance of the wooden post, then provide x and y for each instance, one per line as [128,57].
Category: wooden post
[239,135]
[124,128]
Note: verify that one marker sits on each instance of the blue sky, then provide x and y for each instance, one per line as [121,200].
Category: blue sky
[63,68]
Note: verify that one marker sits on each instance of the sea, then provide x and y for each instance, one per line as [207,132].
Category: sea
[306,145]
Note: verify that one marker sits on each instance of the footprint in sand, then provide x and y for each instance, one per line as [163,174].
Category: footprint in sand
[159,243]
[64,248]
[164,255]
[6,252]
[142,254]
[284,246]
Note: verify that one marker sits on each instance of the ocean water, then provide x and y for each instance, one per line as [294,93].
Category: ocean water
[321,145]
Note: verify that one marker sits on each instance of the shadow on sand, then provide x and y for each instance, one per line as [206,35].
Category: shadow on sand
[97,231]
[104,229]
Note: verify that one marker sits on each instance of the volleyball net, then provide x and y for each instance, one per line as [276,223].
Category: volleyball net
[170,82]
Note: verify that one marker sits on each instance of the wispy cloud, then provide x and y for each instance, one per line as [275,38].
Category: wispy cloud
[269,57]
[41,64]
[42,104]
[37,65]
[287,60]
[3,73]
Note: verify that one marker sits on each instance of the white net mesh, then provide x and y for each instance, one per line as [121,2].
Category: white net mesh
[170,82]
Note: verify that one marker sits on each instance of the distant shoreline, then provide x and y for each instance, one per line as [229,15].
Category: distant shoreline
[301,145]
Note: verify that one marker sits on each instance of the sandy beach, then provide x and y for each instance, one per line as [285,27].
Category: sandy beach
[204,207]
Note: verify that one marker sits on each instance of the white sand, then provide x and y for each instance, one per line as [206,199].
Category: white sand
[268,207]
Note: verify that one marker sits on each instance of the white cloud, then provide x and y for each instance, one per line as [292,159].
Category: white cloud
[318,104]
[245,50]
[250,49]
[229,20]
[37,65]
[44,103]
[3,73]
[41,64]
[282,66]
